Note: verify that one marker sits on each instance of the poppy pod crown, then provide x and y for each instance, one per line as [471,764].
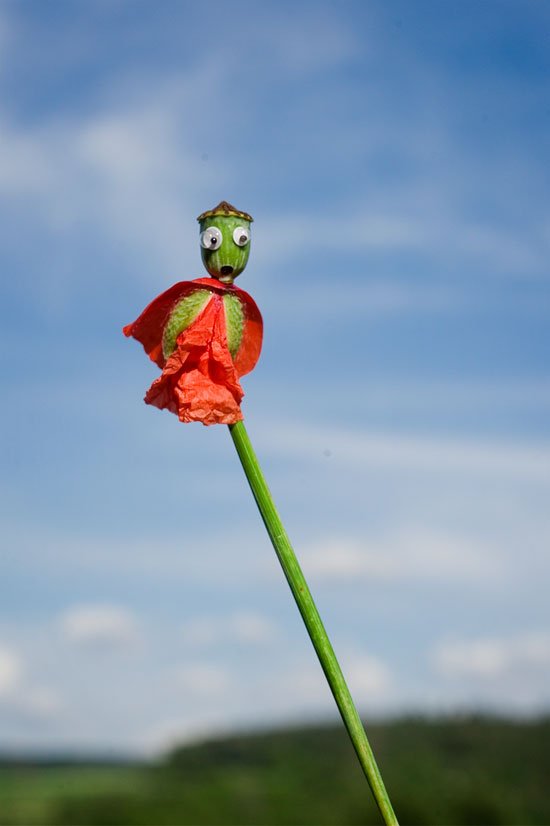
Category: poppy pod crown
[225,208]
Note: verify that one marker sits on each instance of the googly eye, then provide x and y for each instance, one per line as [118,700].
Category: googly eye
[211,238]
[241,236]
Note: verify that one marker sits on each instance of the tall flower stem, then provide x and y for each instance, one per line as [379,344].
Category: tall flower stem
[311,618]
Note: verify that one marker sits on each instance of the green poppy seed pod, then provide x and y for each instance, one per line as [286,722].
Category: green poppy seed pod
[225,241]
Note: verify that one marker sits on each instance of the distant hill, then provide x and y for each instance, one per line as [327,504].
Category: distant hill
[475,770]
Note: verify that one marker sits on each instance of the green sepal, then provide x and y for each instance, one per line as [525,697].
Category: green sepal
[185,312]
[234,320]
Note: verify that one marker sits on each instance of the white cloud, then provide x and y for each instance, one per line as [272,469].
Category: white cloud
[6,36]
[421,453]
[428,230]
[127,170]
[368,678]
[377,296]
[206,680]
[162,736]
[101,625]
[510,673]
[301,688]
[296,690]
[20,696]
[241,628]
[143,173]
[329,233]
[44,702]
[36,703]
[10,671]
[25,167]
[494,658]
[410,555]
[328,43]
[459,395]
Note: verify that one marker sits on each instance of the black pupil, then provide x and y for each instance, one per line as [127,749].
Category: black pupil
[242,239]
[213,241]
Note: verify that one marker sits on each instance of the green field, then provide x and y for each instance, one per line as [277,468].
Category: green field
[463,771]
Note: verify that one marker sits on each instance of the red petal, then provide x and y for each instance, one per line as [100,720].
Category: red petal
[251,343]
[199,381]
[148,328]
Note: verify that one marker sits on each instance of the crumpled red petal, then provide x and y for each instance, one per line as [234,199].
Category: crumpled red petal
[200,379]
[148,328]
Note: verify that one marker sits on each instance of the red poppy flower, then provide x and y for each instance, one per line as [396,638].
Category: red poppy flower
[204,335]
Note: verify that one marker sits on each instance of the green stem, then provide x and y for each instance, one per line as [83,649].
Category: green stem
[312,620]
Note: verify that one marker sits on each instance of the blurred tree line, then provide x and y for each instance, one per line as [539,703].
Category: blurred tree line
[475,770]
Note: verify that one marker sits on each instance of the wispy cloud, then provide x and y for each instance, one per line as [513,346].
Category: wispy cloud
[423,453]
[508,672]
[369,678]
[10,671]
[131,166]
[104,626]
[238,628]
[494,658]
[360,302]
[330,43]
[21,697]
[207,680]
[438,236]
[411,555]
[126,174]
[133,171]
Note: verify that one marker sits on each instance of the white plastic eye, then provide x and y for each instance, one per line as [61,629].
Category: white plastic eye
[211,238]
[241,236]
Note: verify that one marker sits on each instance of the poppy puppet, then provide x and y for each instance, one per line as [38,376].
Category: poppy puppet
[205,334]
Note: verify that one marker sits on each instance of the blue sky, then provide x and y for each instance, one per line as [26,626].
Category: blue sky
[395,159]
